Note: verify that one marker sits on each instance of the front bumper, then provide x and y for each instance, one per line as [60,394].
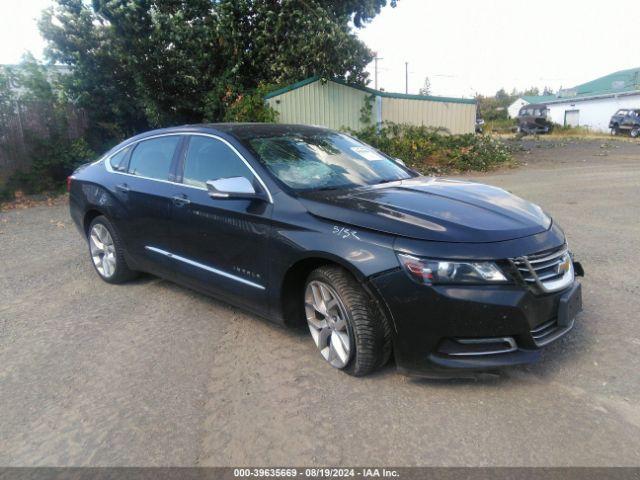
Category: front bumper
[450,330]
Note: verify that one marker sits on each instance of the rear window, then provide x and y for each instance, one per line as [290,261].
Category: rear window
[152,158]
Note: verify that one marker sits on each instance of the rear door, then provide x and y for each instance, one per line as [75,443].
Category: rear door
[146,191]
[220,245]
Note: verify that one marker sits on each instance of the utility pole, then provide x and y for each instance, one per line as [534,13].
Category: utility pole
[406,77]
[375,61]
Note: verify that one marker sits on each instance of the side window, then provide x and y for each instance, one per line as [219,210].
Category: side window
[211,159]
[117,161]
[152,158]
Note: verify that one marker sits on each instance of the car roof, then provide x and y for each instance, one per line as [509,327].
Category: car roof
[239,130]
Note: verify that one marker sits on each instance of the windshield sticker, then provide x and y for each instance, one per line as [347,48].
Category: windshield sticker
[367,153]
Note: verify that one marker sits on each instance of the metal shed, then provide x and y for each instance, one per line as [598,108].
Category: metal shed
[336,104]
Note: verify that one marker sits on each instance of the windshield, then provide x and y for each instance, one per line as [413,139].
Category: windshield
[324,160]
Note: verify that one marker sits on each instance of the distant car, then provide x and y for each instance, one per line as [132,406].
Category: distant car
[302,224]
[534,119]
[626,120]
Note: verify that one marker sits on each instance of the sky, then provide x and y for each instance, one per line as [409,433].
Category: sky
[464,46]
[469,46]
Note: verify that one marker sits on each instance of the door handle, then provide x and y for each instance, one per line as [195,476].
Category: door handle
[181,200]
[124,188]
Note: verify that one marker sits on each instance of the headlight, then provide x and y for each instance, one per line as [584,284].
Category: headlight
[429,271]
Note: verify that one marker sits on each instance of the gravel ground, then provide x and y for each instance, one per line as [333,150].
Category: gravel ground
[151,373]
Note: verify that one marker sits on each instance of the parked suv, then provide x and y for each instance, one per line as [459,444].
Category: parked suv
[626,120]
[534,119]
[308,226]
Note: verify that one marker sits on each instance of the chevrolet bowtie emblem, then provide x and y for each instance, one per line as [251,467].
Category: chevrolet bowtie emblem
[565,266]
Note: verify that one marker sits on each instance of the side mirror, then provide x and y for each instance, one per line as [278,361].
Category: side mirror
[397,160]
[233,187]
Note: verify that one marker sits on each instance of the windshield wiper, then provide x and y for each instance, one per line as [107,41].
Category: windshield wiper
[388,181]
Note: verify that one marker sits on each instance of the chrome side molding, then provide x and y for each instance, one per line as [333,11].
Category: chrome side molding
[204,267]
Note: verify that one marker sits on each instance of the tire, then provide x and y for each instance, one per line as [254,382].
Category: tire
[635,132]
[108,261]
[615,130]
[367,329]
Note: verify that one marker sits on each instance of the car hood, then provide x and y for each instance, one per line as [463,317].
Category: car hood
[432,209]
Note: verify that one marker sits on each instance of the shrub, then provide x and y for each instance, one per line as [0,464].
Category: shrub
[507,125]
[52,162]
[430,150]
[251,107]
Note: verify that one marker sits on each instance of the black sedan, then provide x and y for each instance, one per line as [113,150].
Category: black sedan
[304,225]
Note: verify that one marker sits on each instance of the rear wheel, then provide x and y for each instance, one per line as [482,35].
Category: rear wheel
[107,252]
[346,324]
[615,130]
[635,133]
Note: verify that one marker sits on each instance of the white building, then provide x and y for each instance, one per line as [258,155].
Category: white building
[515,107]
[593,103]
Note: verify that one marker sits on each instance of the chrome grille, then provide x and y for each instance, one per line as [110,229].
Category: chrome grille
[550,271]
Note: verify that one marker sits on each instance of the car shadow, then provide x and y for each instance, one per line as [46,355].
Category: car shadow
[568,350]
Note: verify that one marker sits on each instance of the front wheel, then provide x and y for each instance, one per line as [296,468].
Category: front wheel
[635,133]
[346,324]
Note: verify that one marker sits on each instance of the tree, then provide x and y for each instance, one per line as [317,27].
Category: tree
[49,150]
[531,92]
[8,79]
[501,94]
[426,87]
[146,63]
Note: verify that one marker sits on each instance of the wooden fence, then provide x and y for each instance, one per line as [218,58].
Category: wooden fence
[30,119]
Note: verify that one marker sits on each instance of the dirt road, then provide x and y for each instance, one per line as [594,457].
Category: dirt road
[153,374]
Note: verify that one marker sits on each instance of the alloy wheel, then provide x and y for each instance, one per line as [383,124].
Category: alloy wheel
[103,251]
[327,319]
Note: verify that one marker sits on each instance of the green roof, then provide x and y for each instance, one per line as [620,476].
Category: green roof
[624,81]
[368,90]
[535,99]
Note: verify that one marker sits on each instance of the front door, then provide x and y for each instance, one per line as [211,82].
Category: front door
[220,245]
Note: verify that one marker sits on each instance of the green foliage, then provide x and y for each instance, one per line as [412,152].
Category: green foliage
[8,77]
[148,63]
[251,107]
[426,87]
[367,110]
[52,161]
[569,131]
[430,150]
[51,154]
[502,125]
[140,64]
